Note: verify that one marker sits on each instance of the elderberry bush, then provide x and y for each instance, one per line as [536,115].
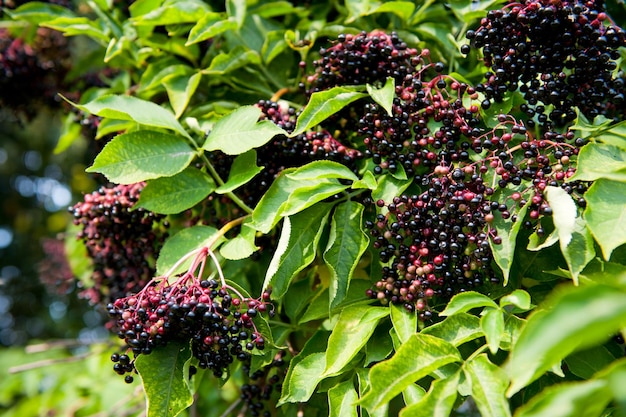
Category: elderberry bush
[122,242]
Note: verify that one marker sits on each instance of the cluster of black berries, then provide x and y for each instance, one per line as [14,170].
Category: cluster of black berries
[366,58]
[32,72]
[263,386]
[283,152]
[121,241]
[216,319]
[560,54]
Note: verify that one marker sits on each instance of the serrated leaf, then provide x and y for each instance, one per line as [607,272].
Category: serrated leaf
[467,301]
[322,105]
[180,89]
[181,11]
[142,155]
[243,169]
[384,95]
[235,59]
[564,212]
[580,250]
[305,370]
[342,400]
[162,375]
[585,364]
[240,131]
[236,10]
[415,359]
[351,332]
[504,252]
[456,329]
[404,323]
[346,245]
[297,247]
[182,243]
[403,9]
[518,298]
[438,401]
[569,399]
[75,26]
[489,385]
[272,206]
[175,194]
[209,26]
[241,246]
[600,160]
[141,111]
[606,214]
[552,333]
[37,12]
[492,324]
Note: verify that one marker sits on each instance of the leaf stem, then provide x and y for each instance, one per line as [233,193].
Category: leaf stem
[220,181]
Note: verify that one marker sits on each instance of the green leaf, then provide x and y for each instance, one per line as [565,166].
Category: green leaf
[240,131]
[74,26]
[297,247]
[389,187]
[209,26]
[492,324]
[384,95]
[404,323]
[403,9]
[456,329]
[599,160]
[351,332]
[142,155]
[237,58]
[580,250]
[570,399]
[551,334]
[162,375]
[305,370]
[180,89]
[175,194]
[415,359]
[564,212]
[507,229]
[368,182]
[364,388]
[37,12]
[241,246]
[380,346]
[273,45]
[301,183]
[181,11]
[182,243]
[141,111]
[574,237]
[467,301]
[342,400]
[587,363]
[518,298]
[324,104]
[438,402]
[236,10]
[413,393]
[346,244]
[606,214]
[489,384]
[243,169]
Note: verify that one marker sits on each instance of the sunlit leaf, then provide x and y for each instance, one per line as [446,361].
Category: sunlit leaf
[142,155]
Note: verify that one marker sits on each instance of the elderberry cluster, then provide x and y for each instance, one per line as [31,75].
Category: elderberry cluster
[32,72]
[560,54]
[263,385]
[366,58]
[122,242]
[219,324]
